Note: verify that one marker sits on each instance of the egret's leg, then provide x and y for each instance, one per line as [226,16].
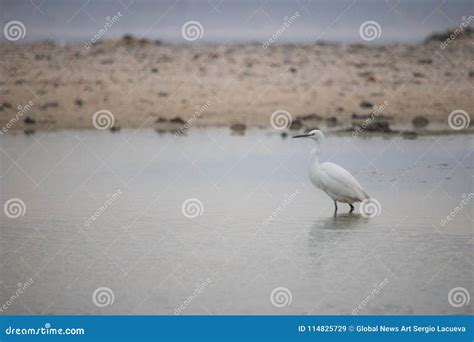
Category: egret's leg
[335,207]
[352,208]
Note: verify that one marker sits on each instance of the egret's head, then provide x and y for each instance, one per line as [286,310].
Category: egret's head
[315,134]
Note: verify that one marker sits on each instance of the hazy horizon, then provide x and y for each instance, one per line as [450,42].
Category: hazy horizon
[227,21]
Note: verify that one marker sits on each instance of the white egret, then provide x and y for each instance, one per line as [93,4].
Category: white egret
[331,178]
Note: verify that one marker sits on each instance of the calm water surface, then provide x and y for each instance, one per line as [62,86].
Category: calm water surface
[153,258]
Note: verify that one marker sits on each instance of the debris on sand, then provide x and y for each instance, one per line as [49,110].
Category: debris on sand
[29,121]
[420,121]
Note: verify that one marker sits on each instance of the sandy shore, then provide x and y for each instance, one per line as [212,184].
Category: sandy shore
[151,84]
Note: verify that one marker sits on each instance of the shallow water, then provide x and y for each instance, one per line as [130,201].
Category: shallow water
[154,259]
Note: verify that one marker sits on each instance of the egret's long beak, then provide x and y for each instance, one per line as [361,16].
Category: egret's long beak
[302,136]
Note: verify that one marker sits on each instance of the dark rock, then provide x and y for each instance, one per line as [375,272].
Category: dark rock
[29,121]
[128,39]
[296,124]
[114,129]
[378,124]
[78,102]
[471,74]
[360,116]
[371,79]
[425,61]
[158,42]
[6,105]
[366,104]
[154,70]
[143,41]
[331,121]
[284,135]
[161,120]
[162,94]
[420,121]
[309,117]
[418,74]
[409,135]
[29,131]
[443,36]
[238,127]
[292,70]
[177,120]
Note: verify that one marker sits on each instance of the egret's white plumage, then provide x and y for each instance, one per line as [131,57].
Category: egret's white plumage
[331,178]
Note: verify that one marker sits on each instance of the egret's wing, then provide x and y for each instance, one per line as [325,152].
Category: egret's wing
[338,180]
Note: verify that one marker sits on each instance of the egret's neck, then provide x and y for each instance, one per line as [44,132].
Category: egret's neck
[314,155]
